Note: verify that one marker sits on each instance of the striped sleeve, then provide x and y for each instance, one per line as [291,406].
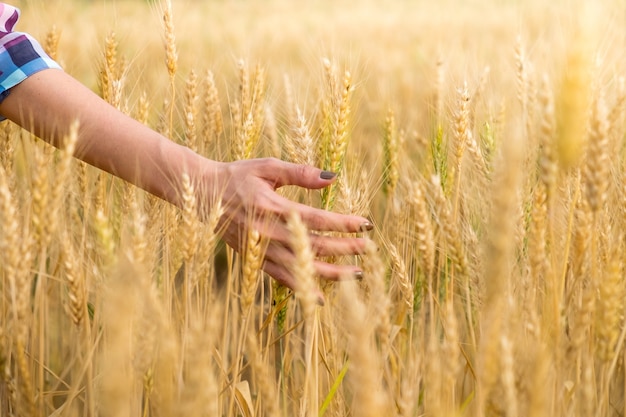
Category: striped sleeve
[20,54]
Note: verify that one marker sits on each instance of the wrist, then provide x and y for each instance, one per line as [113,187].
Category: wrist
[202,172]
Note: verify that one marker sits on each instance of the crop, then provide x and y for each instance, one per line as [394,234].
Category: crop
[486,141]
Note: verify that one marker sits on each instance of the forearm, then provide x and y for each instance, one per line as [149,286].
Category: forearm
[48,102]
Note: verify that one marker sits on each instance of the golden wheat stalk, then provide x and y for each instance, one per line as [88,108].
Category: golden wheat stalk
[499,249]
[390,154]
[369,396]
[303,270]
[40,195]
[335,135]
[610,305]
[251,270]
[16,249]
[200,391]
[451,352]
[171,63]
[453,248]
[108,71]
[596,168]
[303,267]
[190,220]
[266,384]
[401,279]
[424,234]
[572,102]
[105,239]
[171,51]
[63,169]
[299,145]
[379,303]
[207,249]
[548,163]
[190,112]
[248,112]
[7,146]
[77,293]
[212,123]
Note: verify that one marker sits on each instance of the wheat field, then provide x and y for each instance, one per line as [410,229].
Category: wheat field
[484,139]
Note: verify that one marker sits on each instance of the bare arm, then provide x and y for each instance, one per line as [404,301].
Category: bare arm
[48,102]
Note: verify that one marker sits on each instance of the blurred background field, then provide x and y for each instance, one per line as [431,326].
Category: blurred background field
[392,48]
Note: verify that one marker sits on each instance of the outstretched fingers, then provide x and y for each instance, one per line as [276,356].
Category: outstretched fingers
[337,246]
[271,223]
[322,220]
[279,260]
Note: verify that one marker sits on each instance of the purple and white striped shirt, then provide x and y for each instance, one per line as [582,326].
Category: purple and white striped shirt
[20,54]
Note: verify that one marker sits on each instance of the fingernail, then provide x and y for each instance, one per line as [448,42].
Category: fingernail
[358,275]
[327,175]
[366,226]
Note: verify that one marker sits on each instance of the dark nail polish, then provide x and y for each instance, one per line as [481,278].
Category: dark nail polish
[327,175]
[366,226]
[358,275]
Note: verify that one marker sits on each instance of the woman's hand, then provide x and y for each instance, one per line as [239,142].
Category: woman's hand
[249,196]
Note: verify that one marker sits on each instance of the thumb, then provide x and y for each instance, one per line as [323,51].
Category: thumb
[302,175]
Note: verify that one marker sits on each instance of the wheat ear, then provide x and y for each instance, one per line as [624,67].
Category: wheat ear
[369,397]
[51,42]
[303,270]
[190,112]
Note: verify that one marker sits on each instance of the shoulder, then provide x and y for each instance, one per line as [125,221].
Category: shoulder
[20,54]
